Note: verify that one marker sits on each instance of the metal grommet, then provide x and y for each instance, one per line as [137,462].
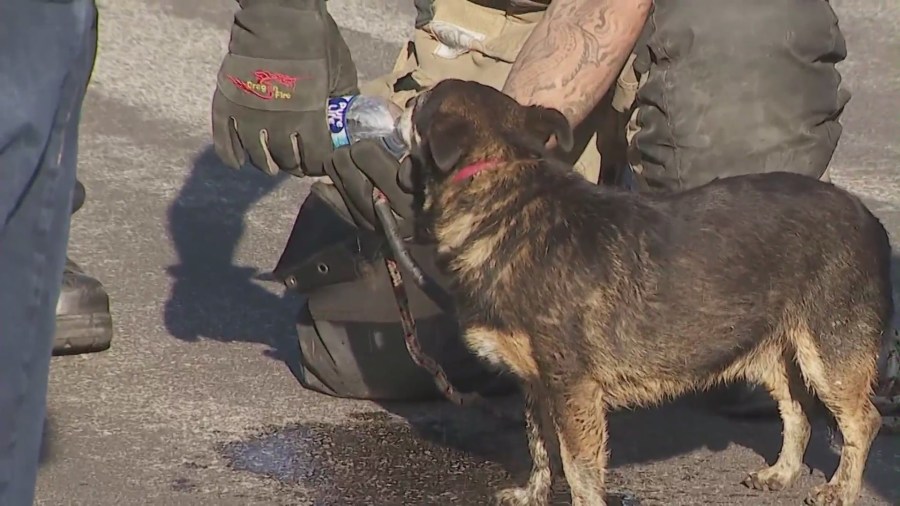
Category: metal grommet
[322,268]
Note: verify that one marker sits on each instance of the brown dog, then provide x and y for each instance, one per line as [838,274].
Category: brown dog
[597,298]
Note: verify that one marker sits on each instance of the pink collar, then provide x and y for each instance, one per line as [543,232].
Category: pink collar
[470,170]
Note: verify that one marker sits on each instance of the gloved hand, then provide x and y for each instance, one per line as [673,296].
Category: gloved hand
[356,169]
[285,59]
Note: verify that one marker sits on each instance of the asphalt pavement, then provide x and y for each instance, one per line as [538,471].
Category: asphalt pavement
[194,404]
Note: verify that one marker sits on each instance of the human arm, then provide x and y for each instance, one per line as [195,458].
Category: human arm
[575,53]
[568,63]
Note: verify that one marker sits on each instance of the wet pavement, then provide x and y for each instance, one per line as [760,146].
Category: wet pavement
[195,403]
[372,460]
[462,458]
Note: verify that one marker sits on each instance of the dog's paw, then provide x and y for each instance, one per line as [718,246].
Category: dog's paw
[771,478]
[826,495]
[516,496]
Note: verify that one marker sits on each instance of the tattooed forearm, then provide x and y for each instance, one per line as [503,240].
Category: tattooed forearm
[575,54]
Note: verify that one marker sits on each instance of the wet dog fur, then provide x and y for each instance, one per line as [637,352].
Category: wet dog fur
[598,298]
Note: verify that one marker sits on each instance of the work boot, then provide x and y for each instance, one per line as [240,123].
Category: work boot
[83,321]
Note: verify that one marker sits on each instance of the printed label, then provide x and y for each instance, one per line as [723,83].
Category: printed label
[268,85]
[337,119]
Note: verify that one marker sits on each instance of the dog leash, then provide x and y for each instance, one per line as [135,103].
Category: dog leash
[400,255]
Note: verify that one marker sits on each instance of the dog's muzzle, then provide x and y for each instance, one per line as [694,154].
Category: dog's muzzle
[405,124]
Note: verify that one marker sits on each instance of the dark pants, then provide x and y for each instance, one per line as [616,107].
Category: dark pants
[736,87]
[47,51]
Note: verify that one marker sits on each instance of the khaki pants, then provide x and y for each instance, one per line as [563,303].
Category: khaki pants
[486,56]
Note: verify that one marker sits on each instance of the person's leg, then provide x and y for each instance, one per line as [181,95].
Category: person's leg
[46,56]
[737,88]
[729,88]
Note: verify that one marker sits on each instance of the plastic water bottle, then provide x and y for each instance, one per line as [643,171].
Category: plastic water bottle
[355,117]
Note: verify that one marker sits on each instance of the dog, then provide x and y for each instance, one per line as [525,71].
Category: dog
[599,299]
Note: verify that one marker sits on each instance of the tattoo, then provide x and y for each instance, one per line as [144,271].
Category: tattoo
[575,53]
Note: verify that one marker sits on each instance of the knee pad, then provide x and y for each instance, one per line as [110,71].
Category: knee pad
[737,87]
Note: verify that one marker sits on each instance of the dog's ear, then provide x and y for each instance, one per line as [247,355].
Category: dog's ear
[448,141]
[546,122]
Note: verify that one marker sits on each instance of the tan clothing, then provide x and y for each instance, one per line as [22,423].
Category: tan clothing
[465,39]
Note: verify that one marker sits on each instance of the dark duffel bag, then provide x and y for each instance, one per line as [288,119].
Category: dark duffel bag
[351,337]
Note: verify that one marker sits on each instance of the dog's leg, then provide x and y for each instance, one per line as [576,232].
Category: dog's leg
[859,421]
[537,492]
[843,379]
[777,372]
[581,421]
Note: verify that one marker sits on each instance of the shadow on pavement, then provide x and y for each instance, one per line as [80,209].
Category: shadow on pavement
[213,298]
[647,436]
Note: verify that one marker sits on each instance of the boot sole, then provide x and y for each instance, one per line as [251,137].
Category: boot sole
[83,333]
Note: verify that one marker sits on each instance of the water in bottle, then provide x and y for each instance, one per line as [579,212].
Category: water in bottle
[356,117]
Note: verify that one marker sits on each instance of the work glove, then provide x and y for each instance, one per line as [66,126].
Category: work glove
[285,59]
[356,170]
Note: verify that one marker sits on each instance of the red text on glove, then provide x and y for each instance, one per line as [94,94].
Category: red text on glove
[267,85]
